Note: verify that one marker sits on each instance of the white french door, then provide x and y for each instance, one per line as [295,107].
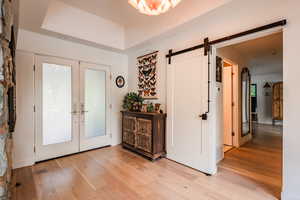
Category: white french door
[56,107]
[71,107]
[94,106]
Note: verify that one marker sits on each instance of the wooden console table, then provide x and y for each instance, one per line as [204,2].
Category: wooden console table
[144,133]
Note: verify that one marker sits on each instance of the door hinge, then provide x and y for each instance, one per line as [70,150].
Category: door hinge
[33,67]
[110,77]
[233,134]
[233,104]
[34,149]
[33,108]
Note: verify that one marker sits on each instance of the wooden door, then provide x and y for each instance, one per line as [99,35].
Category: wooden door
[129,130]
[144,135]
[227,104]
[278,101]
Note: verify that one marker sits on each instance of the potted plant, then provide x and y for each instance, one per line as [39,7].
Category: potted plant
[133,102]
[150,107]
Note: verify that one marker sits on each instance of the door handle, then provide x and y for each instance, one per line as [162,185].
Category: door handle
[74,112]
[74,109]
[83,109]
[203,116]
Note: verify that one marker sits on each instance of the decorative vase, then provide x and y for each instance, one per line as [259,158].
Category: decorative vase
[157,107]
[144,108]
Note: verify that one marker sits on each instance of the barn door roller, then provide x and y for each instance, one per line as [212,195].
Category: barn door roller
[206,46]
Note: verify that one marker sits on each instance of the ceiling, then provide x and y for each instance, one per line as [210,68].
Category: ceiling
[112,24]
[262,55]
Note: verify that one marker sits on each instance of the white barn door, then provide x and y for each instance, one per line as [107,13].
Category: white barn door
[189,141]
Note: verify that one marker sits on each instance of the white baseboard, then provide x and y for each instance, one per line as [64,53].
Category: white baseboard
[23,163]
[285,196]
[220,155]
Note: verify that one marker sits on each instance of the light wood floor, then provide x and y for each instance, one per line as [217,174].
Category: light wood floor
[259,160]
[227,148]
[249,173]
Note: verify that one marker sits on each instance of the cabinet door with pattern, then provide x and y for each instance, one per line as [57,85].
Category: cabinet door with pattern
[129,130]
[144,142]
[144,126]
[144,135]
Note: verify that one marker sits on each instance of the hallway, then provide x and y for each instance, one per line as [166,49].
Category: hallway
[259,160]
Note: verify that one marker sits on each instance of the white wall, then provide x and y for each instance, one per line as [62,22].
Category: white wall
[232,55]
[30,43]
[264,103]
[23,136]
[240,15]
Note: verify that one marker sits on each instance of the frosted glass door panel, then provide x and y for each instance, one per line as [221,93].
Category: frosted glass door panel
[57,103]
[95,103]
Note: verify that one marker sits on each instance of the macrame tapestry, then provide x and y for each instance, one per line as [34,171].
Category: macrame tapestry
[147,75]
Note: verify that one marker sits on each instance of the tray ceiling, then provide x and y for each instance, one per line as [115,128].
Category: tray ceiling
[110,24]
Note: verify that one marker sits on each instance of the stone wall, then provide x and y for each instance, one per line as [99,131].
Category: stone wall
[7,95]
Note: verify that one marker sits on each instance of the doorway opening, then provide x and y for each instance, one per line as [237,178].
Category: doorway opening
[230,111]
[253,110]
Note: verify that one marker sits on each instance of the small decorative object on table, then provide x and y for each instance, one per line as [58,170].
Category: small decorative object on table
[144,107]
[133,102]
[150,107]
[157,107]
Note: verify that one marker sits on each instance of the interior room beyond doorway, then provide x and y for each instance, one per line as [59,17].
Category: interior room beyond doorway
[259,104]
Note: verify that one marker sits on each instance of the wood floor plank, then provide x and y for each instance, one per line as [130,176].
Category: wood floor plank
[26,189]
[250,172]
[52,182]
[259,160]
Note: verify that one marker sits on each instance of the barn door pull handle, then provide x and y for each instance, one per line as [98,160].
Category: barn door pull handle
[203,116]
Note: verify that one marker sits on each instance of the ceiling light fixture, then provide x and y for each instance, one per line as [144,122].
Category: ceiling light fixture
[153,7]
